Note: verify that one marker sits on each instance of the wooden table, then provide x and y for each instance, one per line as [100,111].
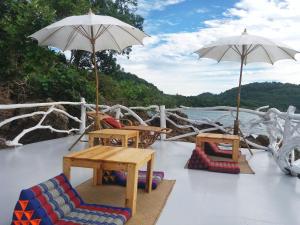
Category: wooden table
[148,134]
[220,138]
[101,158]
[143,128]
[123,135]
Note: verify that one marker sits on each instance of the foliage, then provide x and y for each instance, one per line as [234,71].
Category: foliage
[37,73]
[253,95]
[41,72]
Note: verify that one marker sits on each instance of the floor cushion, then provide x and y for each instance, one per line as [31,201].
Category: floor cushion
[200,160]
[120,178]
[113,122]
[56,202]
[224,167]
[211,148]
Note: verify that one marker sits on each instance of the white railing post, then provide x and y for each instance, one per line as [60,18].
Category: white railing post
[163,121]
[83,116]
[118,113]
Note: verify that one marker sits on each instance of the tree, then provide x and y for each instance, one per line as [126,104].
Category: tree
[27,66]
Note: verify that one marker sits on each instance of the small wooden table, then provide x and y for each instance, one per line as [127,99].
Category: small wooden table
[148,134]
[143,128]
[123,135]
[220,138]
[101,158]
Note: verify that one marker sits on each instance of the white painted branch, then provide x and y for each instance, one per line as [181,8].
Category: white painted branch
[131,112]
[67,114]
[262,108]
[16,140]
[183,126]
[32,105]
[198,122]
[152,118]
[21,117]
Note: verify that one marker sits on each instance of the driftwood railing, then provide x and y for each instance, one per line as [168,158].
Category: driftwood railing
[282,128]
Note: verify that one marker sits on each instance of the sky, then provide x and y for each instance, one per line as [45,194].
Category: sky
[177,28]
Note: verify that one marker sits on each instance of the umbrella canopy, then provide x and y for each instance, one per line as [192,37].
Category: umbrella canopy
[246,49]
[90,33]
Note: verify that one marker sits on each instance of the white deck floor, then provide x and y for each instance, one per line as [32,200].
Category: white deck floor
[198,198]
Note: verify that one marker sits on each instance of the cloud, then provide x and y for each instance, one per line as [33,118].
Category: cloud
[166,60]
[202,10]
[145,6]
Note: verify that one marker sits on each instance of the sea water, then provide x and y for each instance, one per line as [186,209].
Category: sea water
[225,118]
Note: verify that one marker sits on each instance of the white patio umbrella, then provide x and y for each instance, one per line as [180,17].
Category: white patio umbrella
[90,33]
[246,49]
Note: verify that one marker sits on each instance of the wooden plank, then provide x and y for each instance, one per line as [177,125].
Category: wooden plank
[114,166]
[90,152]
[144,161]
[149,176]
[113,132]
[235,150]
[129,155]
[91,140]
[216,140]
[97,175]
[83,163]
[137,139]
[218,136]
[142,128]
[67,168]
[82,152]
[110,152]
[131,188]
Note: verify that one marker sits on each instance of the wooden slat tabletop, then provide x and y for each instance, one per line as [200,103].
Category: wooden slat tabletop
[114,131]
[112,154]
[142,128]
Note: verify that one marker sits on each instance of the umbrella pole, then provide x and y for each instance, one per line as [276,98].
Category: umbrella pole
[97,87]
[236,122]
[93,41]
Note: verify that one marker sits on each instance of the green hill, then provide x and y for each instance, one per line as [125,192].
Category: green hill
[132,90]
[274,94]
[253,95]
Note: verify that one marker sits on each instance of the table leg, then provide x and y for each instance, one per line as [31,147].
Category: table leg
[149,176]
[67,168]
[137,140]
[91,140]
[131,188]
[125,141]
[105,141]
[97,176]
[235,150]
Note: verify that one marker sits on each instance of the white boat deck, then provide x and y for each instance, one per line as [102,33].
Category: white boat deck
[198,198]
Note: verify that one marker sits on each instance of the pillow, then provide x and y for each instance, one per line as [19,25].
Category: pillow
[113,122]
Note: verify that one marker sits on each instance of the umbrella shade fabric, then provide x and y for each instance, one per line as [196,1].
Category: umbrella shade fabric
[77,32]
[246,49]
[256,49]
[90,33]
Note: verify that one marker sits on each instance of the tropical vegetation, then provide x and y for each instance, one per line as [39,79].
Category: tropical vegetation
[33,73]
